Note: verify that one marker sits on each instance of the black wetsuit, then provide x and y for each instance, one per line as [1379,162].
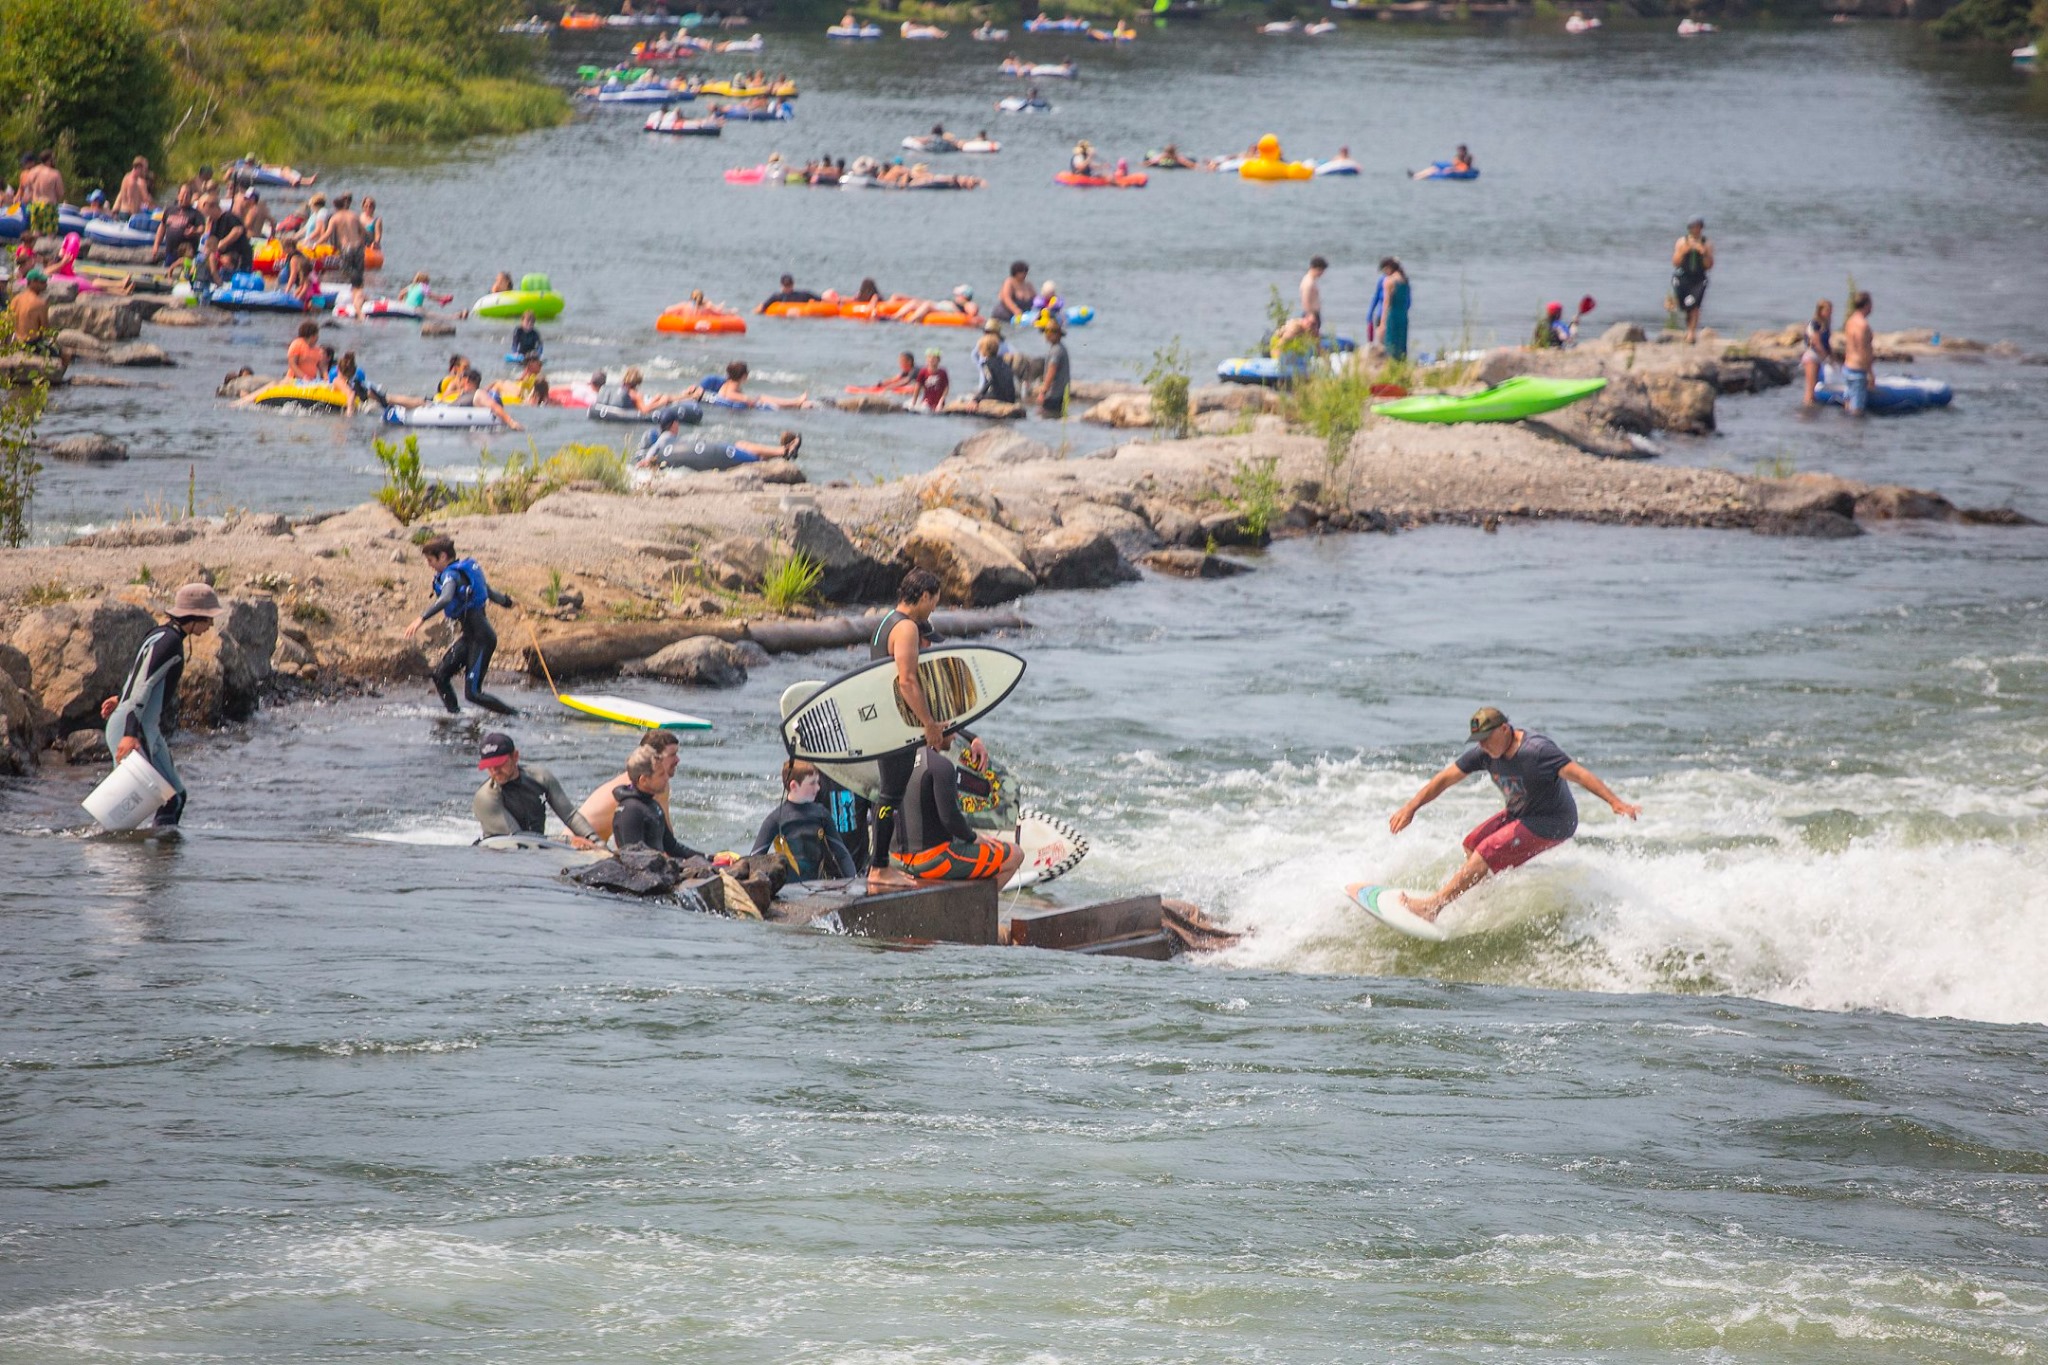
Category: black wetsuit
[525,342]
[148,704]
[640,823]
[521,806]
[931,807]
[806,836]
[460,593]
[895,769]
[998,381]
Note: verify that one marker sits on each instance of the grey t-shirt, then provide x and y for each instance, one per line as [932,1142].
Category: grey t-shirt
[1529,783]
[1056,367]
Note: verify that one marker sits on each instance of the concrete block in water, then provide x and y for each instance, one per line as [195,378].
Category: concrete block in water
[1077,926]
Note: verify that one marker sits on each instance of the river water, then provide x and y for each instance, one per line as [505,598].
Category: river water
[1755,1078]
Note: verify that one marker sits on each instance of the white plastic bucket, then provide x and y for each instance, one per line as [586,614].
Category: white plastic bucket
[129,796]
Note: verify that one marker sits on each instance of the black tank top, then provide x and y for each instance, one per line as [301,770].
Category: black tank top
[878,644]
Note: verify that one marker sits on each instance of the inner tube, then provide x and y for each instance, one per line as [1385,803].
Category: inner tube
[1441,170]
[982,145]
[1892,393]
[507,305]
[823,308]
[1268,168]
[441,415]
[1134,181]
[698,322]
[303,394]
[1339,166]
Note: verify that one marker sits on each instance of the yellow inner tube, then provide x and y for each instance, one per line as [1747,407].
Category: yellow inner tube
[1259,168]
[300,393]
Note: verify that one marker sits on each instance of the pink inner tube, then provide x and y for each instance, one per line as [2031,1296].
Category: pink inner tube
[745,175]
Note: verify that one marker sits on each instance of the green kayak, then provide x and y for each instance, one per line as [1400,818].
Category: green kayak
[1523,396]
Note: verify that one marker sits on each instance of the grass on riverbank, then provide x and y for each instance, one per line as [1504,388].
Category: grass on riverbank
[340,77]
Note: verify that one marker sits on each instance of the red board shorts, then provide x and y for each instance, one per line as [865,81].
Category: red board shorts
[1506,842]
[955,862]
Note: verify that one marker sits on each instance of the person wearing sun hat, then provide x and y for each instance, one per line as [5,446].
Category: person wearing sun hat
[1057,377]
[135,716]
[1538,814]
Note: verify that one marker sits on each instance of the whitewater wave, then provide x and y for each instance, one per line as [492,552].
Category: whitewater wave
[1862,892]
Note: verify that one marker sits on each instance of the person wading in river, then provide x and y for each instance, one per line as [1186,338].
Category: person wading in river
[1859,355]
[517,799]
[463,596]
[900,635]
[601,805]
[148,701]
[1531,772]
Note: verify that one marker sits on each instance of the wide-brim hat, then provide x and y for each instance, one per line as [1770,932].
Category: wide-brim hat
[196,599]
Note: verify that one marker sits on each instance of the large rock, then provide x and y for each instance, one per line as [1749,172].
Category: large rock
[1184,563]
[16,666]
[1122,410]
[106,318]
[252,623]
[242,385]
[88,448]
[138,355]
[1131,533]
[21,733]
[188,317]
[851,573]
[1001,447]
[79,345]
[79,653]
[223,683]
[1679,403]
[975,567]
[700,661]
[870,402]
[1623,334]
[1173,525]
[1893,502]
[738,563]
[993,409]
[1077,557]
[1235,398]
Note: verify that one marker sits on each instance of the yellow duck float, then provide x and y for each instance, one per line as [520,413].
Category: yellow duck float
[1267,165]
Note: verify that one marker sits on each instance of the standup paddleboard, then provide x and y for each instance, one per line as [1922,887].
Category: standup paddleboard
[858,716]
[626,711]
[1383,903]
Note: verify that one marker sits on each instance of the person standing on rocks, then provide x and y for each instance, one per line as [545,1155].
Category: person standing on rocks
[462,594]
[136,194]
[1389,311]
[136,716]
[1691,259]
[42,190]
[1859,355]
[1058,376]
[517,798]
[1539,814]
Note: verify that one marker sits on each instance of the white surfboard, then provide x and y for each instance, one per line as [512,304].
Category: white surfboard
[1383,903]
[858,716]
[1052,848]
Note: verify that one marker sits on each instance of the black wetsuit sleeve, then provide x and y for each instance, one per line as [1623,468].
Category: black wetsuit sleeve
[503,599]
[442,602]
[489,808]
[842,857]
[558,801]
[945,799]
[764,837]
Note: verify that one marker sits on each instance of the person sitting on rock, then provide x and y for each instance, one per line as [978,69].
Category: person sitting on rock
[639,821]
[30,312]
[802,830]
[601,806]
[998,380]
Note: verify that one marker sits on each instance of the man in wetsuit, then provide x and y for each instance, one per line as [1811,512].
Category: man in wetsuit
[639,821]
[518,797]
[802,830]
[601,805]
[136,717]
[934,842]
[462,595]
[1531,772]
[901,633]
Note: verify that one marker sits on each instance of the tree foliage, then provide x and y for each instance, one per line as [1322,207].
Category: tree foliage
[2007,22]
[84,77]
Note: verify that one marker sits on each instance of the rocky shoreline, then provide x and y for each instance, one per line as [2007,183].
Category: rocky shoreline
[668,579]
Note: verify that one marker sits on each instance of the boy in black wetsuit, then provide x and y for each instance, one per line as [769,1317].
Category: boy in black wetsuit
[462,594]
[802,830]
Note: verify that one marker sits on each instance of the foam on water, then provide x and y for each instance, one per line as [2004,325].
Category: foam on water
[1859,892]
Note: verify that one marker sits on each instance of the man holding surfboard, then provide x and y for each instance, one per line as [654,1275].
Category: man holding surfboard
[900,634]
[1539,814]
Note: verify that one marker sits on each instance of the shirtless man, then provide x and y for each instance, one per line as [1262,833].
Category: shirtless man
[1310,323]
[136,194]
[255,214]
[601,805]
[343,231]
[30,310]
[1859,355]
[42,190]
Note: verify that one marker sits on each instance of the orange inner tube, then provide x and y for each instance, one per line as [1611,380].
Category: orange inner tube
[698,321]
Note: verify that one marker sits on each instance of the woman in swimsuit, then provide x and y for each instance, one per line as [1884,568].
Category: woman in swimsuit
[1820,347]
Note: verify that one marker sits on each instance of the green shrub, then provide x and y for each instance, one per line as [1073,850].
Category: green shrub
[21,407]
[792,580]
[1255,495]
[522,481]
[2005,22]
[406,491]
[85,77]
[1167,380]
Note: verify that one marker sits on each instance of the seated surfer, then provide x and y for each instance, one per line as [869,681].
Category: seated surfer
[1531,772]
[348,373]
[1304,329]
[1552,331]
[730,390]
[934,842]
[802,830]
[526,343]
[601,805]
[666,447]
[419,293]
[638,820]
[788,293]
[517,797]
[847,20]
[702,304]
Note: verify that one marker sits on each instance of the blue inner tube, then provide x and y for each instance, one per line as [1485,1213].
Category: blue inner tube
[1900,393]
[1441,170]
